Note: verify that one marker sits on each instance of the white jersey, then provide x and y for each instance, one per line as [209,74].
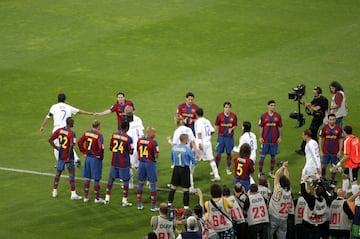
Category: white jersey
[299,210]
[204,127]
[342,110]
[163,227]
[219,222]
[316,216]
[338,218]
[257,212]
[265,192]
[312,156]
[250,138]
[182,130]
[236,212]
[280,203]
[60,112]
[136,131]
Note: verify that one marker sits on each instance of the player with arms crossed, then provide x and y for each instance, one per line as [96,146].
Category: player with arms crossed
[67,139]
[148,151]
[121,147]
[91,144]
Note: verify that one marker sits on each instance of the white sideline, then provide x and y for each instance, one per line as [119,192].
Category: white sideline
[52,175]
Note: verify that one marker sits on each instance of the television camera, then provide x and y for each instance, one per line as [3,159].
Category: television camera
[297,93]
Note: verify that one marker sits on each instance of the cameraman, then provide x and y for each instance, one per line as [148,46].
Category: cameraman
[317,108]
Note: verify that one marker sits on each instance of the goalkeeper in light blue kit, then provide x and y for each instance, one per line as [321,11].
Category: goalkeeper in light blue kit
[181,156]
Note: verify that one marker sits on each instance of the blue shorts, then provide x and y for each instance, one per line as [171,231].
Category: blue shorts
[60,165]
[122,173]
[92,168]
[226,143]
[244,183]
[147,171]
[330,158]
[271,149]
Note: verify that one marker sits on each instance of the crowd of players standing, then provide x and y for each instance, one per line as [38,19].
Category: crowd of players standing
[266,213]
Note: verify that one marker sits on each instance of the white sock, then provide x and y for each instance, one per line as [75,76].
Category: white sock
[214,169]
[345,184]
[354,188]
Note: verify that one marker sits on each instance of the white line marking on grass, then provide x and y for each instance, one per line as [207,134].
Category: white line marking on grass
[63,176]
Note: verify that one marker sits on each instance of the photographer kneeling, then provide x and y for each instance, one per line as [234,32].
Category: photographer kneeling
[317,108]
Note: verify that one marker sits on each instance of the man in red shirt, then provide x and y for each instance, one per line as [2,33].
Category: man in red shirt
[225,125]
[187,111]
[119,108]
[351,159]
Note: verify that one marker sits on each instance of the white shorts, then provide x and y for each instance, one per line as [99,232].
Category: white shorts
[207,152]
[134,160]
[310,172]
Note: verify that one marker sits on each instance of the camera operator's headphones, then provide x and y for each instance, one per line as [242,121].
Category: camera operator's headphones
[318,90]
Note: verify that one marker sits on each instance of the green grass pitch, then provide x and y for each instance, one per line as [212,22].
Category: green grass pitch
[246,52]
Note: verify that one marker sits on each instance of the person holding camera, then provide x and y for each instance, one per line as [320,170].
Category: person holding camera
[317,108]
[162,225]
[316,211]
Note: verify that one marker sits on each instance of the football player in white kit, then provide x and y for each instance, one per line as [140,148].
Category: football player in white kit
[203,132]
[60,112]
[136,131]
[250,138]
[312,167]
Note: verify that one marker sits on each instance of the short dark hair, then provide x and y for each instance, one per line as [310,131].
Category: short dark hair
[284,182]
[331,115]
[307,132]
[226,191]
[125,125]
[238,188]
[227,103]
[152,235]
[348,129]
[190,94]
[247,126]
[96,123]
[271,102]
[199,111]
[61,97]
[253,188]
[215,190]
[198,210]
[121,93]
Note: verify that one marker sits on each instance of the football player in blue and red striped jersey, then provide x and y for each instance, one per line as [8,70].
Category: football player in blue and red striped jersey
[121,147]
[270,136]
[225,125]
[187,111]
[91,144]
[330,144]
[148,152]
[66,138]
[119,108]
